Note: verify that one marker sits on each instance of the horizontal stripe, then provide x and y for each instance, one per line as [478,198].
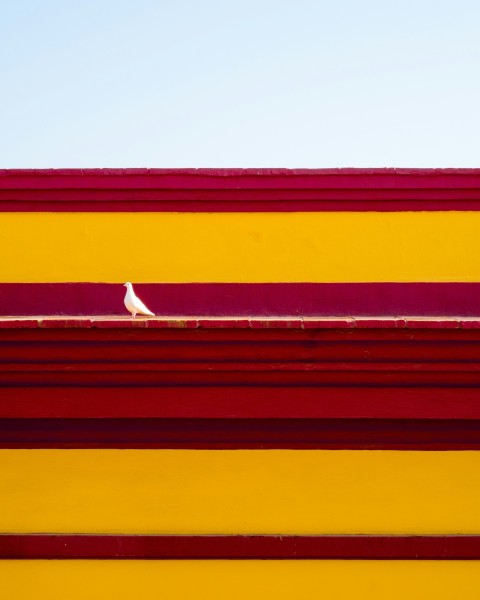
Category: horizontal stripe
[237,580]
[239,492]
[236,322]
[236,372]
[245,374]
[238,201]
[215,302]
[236,402]
[239,190]
[169,357]
[323,247]
[352,547]
[399,434]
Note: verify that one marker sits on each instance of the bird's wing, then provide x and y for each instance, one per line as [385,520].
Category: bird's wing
[141,308]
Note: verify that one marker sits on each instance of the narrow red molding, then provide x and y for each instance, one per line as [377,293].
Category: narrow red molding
[211,375]
[354,547]
[217,434]
[239,189]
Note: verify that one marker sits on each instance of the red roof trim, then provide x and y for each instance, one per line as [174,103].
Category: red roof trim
[239,189]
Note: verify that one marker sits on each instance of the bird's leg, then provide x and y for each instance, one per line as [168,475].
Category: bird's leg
[134,315]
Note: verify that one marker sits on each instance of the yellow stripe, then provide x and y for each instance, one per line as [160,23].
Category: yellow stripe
[246,247]
[243,491]
[237,580]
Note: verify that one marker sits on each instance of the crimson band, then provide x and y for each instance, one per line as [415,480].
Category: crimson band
[237,299]
[239,190]
[360,434]
[360,547]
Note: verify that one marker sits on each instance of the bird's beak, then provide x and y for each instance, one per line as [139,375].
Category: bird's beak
[124,285]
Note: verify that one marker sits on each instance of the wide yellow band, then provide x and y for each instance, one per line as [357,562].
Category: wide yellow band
[237,580]
[240,247]
[239,491]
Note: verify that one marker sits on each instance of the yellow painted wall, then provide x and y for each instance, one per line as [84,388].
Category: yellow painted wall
[240,247]
[240,580]
[239,491]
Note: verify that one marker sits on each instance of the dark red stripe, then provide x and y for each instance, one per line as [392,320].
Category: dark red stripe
[246,300]
[240,403]
[239,189]
[360,547]
[361,204]
[211,375]
[358,434]
[239,372]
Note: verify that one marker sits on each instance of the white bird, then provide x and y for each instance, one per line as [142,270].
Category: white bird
[134,304]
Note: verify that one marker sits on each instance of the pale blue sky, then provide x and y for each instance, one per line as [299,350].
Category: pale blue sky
[256,83]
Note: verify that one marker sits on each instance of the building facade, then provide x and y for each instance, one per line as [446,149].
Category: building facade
[301,418]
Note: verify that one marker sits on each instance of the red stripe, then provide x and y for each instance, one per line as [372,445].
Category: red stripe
[240,190]
[239,372]
[232,178]
[247,300]
[216,434]
[240,403]
[362,203]
[210,375]
[363,547]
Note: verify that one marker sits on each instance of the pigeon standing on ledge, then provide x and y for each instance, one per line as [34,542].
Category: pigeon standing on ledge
[134,304]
